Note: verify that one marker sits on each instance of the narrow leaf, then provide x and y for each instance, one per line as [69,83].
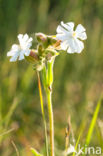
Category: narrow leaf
[93,122]
[35,152]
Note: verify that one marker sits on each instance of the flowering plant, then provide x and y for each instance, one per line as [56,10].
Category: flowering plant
[43,57]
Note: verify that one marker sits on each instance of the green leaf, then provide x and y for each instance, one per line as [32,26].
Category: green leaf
[80,134]
[35,152]
[93,122]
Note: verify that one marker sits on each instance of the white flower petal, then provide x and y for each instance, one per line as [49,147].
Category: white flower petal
[80,29]
[20,37]
[27,52]
[30,39]
[11,53]
[25,41]
[82,36]
[21,41]
[71,44]
[64,45]
[60,29]
[21,56]
[79,46]
[70,38]
[18,51]
[75,46]
[14,58]
[62,37]
[69,26]
[70,50]
[15,47]
[27,45]
[25,37]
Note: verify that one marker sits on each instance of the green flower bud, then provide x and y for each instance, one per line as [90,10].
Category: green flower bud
[40,49]
[40,64]
[41,37]
[50,52]
[46,40]
[33,57]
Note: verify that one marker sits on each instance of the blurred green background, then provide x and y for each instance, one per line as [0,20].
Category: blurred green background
[78,79]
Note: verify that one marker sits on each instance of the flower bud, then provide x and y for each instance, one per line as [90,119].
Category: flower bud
[41,37]
[50,52]
[51,40]
[39,66]
[33,57]
[40,49]
[46,40]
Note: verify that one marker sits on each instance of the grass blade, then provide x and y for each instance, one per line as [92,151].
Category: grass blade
[93,122]
[35,152]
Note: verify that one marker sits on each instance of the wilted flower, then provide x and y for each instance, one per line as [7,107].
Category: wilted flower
[70,39]
[18,52]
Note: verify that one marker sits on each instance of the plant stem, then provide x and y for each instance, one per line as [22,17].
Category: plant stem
[49,99]
[43,113]
[47,77]
[50,111]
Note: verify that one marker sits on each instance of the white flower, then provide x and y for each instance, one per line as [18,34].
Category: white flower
[70,39]
[17,52]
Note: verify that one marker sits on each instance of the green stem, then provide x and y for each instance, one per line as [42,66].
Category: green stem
[49,99]
[50,111]
[47,77]
[43,113]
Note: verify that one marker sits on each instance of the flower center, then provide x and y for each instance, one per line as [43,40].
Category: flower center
[74,34]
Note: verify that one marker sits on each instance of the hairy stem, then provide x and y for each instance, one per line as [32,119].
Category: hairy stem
[49,99]
[50,112]
[43,113]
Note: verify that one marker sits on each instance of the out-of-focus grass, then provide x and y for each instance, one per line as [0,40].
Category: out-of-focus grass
[78,79]
[93,122]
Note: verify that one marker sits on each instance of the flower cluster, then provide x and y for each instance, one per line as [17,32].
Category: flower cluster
[67,39]
[42,57]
